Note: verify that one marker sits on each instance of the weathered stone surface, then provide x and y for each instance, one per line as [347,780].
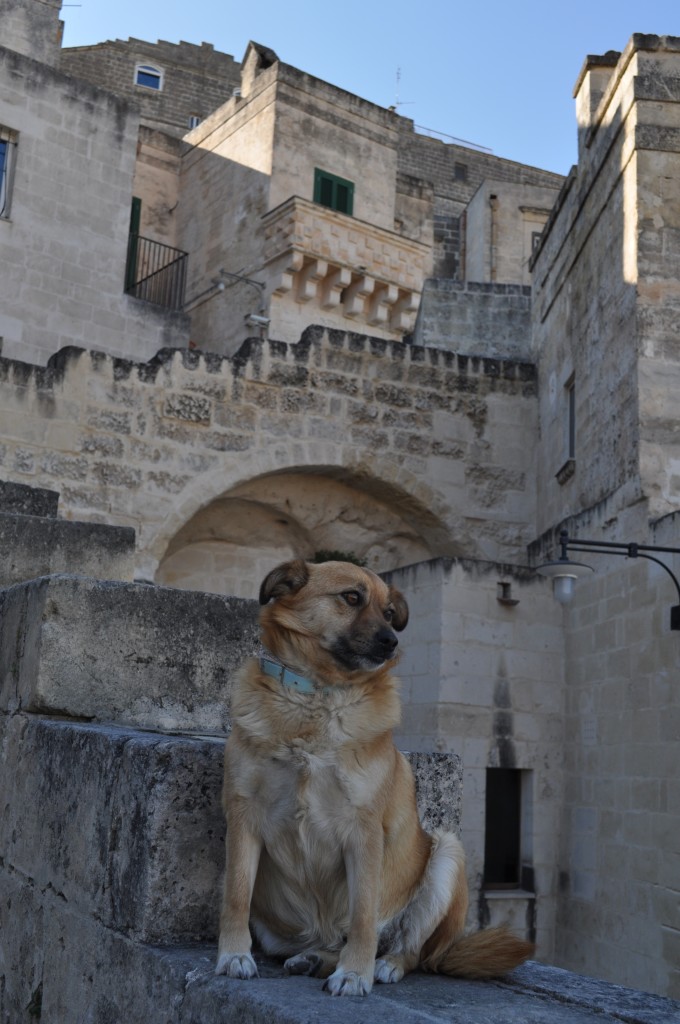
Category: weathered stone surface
[99,977]
[112,838]
[487,319]
[122,652]
[33,546]
[127,826]
[20,499]
[439,789]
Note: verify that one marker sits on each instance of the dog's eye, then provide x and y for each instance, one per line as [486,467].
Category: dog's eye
[352,597]
[388,614]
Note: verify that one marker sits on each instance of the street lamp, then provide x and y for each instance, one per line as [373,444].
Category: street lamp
[564,572]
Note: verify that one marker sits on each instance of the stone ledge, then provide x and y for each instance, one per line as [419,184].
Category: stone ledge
[98,975]
[127,826]
[33,545]
[22,499]
[122,652]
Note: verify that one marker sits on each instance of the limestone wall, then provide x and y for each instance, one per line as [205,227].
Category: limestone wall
[225,184]
[33,28]
[156,183]
[502,222]
[443,440]
[63,247]
[484,677]
[585,329]
[605,284]
[618,910]
[488,319]
[196,79]
[456,172]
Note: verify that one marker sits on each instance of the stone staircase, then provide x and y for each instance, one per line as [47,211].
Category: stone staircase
[113,712]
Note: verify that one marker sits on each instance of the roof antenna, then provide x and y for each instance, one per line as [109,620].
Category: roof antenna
[397,102]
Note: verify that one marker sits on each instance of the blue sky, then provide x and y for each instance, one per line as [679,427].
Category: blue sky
[499,74]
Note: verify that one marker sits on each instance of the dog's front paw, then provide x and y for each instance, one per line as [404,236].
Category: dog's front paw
[388,971]
[236,965]
[347,983]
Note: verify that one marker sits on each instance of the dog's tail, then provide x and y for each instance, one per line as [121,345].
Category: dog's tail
[489,953]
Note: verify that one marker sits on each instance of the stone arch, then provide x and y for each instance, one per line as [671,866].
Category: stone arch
[228,541]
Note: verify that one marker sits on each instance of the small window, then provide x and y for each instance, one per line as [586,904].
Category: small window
[535,241]
[508,829]
[460,172]
[149,76]
[194,120]
[333,192]
[570,388]
[8,145]
[568,468]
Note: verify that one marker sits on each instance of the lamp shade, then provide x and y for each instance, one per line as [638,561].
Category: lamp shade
[563,573]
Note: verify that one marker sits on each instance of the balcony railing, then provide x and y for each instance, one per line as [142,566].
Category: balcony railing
[155,272]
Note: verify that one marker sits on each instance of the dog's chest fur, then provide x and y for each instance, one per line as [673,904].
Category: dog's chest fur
[304,763]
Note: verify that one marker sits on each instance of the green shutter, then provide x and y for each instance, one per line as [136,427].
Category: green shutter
[333,192]
[133,243]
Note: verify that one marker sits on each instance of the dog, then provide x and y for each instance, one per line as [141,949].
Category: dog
[326,858]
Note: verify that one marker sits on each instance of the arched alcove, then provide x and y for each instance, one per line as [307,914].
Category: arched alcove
[230,544]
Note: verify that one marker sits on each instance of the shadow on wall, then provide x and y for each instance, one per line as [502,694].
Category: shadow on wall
[230,545]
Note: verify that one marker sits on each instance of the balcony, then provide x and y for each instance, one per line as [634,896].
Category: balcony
[155,272]
[318,256]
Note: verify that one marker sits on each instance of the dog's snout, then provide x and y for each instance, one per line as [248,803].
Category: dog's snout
[386,640]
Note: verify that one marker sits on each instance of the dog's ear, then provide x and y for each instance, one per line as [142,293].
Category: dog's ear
[284,579]
[400,617]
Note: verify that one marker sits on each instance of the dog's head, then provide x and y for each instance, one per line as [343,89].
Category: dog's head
[335,609]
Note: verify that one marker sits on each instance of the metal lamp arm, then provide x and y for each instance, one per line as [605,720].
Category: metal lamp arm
[627,551]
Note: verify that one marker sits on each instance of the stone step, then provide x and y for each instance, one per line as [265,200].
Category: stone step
[32,546]
[21,499]
[122,652]
[98,976]
[126,827]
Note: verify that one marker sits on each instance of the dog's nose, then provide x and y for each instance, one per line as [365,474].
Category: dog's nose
[386,640]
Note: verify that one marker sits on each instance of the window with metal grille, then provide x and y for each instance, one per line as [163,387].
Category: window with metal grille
[149,76]
[333,192]
[8,145]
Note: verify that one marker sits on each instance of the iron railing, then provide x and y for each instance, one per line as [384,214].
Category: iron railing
[155,272]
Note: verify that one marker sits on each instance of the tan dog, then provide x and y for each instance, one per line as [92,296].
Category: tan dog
[326,857]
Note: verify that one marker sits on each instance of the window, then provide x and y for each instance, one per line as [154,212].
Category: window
[8,145]
[333,192]
[149,76]
[194,120]
[570,388]
[567,470]
[508,830]
[460,172]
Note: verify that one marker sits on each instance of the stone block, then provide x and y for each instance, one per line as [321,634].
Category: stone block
[127,827]
[33,545]
[123,826]
[20,499]
[122,652]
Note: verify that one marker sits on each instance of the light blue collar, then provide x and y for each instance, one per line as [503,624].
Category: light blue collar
[288,677]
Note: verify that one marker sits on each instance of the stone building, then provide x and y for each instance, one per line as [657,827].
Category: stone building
[418,401]
[265,187]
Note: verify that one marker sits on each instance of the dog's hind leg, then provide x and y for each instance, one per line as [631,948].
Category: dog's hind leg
[443,883]
[315,963]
